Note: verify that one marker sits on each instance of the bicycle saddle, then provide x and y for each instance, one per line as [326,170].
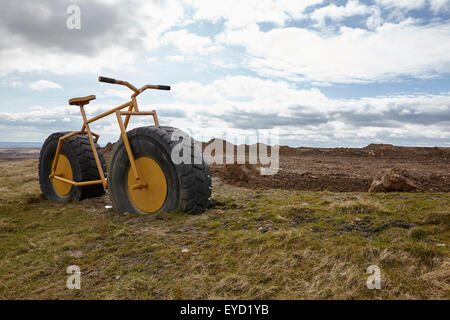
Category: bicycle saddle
[81,101]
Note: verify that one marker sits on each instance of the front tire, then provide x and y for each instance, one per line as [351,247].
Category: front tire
[170,186]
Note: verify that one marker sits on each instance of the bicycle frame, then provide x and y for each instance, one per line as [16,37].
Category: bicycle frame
[133,110]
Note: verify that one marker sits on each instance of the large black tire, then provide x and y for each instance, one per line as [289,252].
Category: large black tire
[78,151]
[188,184]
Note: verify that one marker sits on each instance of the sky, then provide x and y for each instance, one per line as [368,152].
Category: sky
[318,73]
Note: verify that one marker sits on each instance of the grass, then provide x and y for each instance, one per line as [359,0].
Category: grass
[251,244]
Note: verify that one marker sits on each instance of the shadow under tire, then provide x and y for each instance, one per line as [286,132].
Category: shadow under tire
[77,163]
[187,185]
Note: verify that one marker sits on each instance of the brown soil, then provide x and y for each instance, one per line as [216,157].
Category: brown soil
[319,169]
[345,169]
[107,152]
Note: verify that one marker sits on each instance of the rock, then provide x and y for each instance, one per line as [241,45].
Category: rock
[74,254]
[185,250]
[393,180]
[267,227]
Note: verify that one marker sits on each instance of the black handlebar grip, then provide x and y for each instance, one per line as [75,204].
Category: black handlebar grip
[160,87]
[105,79]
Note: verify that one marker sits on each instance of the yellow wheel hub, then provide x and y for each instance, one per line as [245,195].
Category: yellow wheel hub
[64,170]
[152,197]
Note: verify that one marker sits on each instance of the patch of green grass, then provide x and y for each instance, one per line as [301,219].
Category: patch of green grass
[418,234]
[437,218]
[251,244]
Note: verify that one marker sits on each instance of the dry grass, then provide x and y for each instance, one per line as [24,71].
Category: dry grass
[251,244]
[357,207]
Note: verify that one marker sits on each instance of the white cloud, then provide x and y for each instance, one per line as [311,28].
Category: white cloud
[439,5]
[375,20]
[119,93]
[152,19]
[44,85]
[11,83]
[238,13]
[251,94]
[222,63]
[189,43]
[338,13]
[352,55]
[263,94]
[152,59]
[434,5]
[403,4]
[308,115]
[16,84]
[25,58]
[176,58]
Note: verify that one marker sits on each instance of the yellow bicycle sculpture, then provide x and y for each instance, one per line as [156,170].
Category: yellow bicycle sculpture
[142,177]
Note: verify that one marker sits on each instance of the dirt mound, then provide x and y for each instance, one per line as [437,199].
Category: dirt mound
[107,152]
[237,174]
[249,176]
[381,151]
[378,146]
[108,148]
[388,151]
[394,180]
[288,151]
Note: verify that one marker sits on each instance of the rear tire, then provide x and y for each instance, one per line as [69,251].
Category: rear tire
[187,185]
[81,162]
